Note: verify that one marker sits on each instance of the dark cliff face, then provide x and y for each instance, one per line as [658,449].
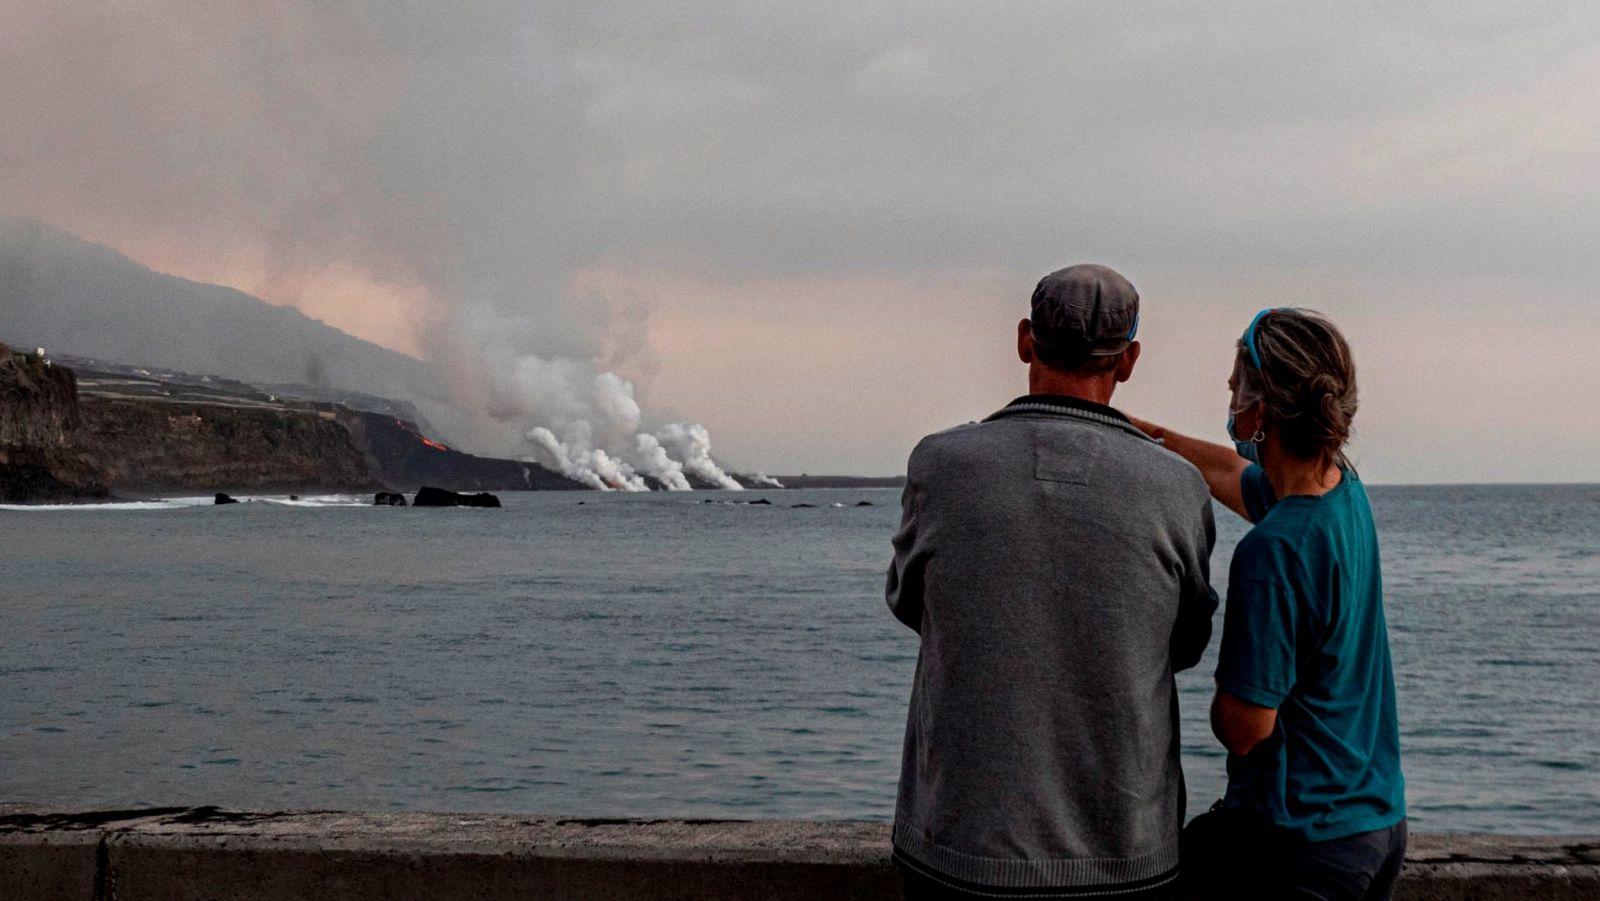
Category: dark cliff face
[39,419]
[149,446]
[58,445]
[38,403]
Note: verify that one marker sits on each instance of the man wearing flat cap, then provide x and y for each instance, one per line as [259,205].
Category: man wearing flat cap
[1055,562]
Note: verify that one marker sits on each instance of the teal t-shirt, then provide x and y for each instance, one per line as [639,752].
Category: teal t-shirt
[1304,633]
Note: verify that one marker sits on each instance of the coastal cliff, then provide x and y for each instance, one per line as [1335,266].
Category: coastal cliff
[148,447]
[39,420]
[38,402]
[67,436]
[57,444]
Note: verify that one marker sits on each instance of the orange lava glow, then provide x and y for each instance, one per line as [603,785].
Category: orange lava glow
[420,437]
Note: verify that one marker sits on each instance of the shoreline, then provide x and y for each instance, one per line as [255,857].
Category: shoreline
[286,497]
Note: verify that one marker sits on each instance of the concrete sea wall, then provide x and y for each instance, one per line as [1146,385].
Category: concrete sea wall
[204,853]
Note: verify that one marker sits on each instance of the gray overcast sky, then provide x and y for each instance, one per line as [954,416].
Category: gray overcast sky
[823,219]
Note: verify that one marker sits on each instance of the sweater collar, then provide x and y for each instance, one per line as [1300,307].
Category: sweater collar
[1068,406]
[1069,402]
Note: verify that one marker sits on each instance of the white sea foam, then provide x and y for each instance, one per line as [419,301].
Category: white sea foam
[120,505]
[315,500]
[183,503]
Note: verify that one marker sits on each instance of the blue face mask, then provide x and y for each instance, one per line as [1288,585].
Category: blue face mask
[1249,450]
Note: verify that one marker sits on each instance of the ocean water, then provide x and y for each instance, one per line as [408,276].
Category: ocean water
[657,655]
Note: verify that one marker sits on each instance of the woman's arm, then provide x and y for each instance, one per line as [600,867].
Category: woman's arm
[1221,465]
[1239,724]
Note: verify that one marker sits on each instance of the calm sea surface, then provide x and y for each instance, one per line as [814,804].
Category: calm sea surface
[654,655]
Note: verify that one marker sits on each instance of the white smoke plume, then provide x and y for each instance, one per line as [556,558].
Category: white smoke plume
[589,465]
[654,459]
[692,443]
[593,445]
[568,414]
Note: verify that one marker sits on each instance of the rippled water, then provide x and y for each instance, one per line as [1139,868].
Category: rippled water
[655,655]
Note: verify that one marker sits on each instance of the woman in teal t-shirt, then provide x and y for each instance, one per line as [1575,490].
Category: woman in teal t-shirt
[1305,700]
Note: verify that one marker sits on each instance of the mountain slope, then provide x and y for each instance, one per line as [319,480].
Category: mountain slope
[60,292]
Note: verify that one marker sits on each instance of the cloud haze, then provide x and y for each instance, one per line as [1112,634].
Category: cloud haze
[813,226]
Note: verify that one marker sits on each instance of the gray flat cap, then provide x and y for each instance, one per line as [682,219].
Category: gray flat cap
[1085,310]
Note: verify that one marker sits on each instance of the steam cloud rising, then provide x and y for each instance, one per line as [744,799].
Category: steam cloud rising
[588,425]
[431,156]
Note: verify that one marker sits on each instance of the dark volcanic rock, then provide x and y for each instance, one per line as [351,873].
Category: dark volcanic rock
[399,454]
[24,482]
[428,496]
[760,502]
[803,506]
[865,504]
[389,499]
[224,499]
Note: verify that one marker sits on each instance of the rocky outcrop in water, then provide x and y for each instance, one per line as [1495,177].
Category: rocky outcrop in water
[428,496]
[388,499]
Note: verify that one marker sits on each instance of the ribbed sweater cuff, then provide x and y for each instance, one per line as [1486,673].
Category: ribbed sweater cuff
[1008,873]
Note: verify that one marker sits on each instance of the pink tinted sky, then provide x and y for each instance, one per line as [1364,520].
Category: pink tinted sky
[824,221]
[1446,396]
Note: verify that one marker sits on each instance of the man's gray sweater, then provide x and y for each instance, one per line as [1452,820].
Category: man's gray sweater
[1055,562]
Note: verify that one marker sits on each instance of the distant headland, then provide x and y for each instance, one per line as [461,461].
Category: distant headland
[86,431]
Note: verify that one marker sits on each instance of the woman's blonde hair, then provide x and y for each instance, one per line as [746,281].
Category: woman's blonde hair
[1299,365]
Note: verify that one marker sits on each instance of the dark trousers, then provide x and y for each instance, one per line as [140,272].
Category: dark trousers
[921,885]
[1231,854]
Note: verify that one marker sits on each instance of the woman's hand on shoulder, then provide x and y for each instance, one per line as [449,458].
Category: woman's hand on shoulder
[1220,464]
[1149,428]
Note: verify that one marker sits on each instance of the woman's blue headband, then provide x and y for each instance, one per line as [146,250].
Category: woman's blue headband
[1250,335]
